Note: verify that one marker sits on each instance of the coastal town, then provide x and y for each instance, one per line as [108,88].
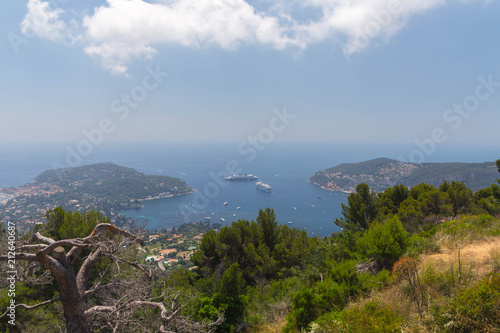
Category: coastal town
[105,187]
[382,173]
[379,176]
[172,248]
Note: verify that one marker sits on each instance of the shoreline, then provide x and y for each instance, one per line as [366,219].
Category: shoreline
[164,197]
[4,198]
[156,198]
[345,191]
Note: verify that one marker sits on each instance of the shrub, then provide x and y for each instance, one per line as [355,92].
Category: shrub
[373,317]
[474,309]
[305,310]
[385,242]
[418,244]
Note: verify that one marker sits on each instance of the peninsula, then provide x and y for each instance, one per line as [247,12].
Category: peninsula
[383,173]
[104,187]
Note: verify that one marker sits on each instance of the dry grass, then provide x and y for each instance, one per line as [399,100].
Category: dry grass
[476,260]
[478,254]
[274,327]
[495,258]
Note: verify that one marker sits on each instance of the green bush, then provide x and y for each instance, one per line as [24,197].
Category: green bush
[373,317]
[419,244]
[305,310]
[474,309]
[385,242]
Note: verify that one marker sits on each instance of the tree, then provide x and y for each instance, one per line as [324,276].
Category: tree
[391,199]
[360,211]
[269,225]
[385,242]
[118,300]
[460,196]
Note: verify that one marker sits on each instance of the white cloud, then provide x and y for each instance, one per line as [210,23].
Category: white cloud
[360,20]
[121,30]
[43,21]
[127,28]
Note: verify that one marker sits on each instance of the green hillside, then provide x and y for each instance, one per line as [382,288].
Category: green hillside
[110,181]
[383,173]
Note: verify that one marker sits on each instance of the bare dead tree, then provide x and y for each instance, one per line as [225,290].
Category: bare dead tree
[118,299]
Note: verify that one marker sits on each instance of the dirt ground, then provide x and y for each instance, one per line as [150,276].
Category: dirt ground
[478,253]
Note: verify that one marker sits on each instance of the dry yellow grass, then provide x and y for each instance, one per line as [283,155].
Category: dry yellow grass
[477,257]
[275,327]
[478,253]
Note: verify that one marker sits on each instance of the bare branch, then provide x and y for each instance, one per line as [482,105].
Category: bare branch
[29,307]
[66,242]
[146,269]
[99,310]
[98,288]
[31,247]
[32,268]
[39,237]
[74,253]
[114,229]
[84,273]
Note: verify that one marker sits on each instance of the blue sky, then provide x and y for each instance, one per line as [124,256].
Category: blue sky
[354,71]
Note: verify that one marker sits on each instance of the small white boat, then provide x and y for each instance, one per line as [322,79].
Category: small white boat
[238,207]
[225,203]
[223,219]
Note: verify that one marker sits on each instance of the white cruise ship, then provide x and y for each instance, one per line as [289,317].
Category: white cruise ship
[264,187]
[241,177]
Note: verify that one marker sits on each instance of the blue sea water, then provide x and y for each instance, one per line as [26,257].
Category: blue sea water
[286,167]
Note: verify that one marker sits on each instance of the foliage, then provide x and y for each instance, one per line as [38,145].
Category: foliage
[258,272]
[62,224]
[305,310]
[474,309]
[383,173]
[248,244]
[385,242]
[360,210]
[373,317]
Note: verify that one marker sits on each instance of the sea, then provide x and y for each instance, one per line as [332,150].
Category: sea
[286,167]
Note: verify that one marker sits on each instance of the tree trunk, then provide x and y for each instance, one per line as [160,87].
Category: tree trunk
[73,304]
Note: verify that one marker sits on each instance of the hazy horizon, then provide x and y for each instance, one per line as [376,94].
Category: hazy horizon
[386,72]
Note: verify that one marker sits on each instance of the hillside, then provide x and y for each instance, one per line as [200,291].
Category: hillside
[105,187]
[112,182]
[383,173]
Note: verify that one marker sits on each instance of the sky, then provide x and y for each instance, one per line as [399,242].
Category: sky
[421,72]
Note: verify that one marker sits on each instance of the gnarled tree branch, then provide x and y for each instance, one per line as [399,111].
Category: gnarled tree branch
[29,307]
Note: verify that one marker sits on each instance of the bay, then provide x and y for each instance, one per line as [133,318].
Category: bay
[285,166]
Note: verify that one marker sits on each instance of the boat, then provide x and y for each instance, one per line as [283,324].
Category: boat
[238,208]
[223,219]
[319,197]
[208,218]
[264,187]
[290,222]
[225,203]
[241,177]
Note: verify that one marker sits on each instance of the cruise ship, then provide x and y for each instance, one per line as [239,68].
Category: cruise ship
[241,177]
[264,187]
